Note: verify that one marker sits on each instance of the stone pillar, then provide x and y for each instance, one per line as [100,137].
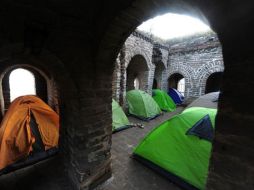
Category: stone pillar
[232,165]
[116,80]
[122,77]
[164,81]
[150,77]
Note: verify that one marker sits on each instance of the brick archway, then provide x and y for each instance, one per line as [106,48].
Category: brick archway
[186,72]
[110,44]
[218,20]
[138,52]
[205,71]
[137,69]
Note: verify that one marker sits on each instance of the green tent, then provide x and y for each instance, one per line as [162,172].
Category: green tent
[180,148]
[119,119]
[142,105]
[164,101]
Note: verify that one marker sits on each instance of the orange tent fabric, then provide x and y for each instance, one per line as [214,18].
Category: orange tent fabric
[16,138]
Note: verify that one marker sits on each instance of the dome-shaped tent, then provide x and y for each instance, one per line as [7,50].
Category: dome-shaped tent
[142,105]
[29,132]
[176,96]
[119,119]
[180,148]
[164,101]
[209,100]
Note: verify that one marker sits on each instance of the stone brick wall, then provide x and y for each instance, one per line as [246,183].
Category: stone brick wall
[195,58]
[116,79]
[160,56]
[137,44]
[137,48]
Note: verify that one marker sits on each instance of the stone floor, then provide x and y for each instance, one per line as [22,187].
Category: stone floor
[128,174]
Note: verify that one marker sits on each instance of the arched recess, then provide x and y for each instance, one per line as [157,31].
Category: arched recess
[188,73]
[45,66]
[159,74]
[44,88]
[177,81]
[137,70]
[133,51]
[213,82]
[205,71]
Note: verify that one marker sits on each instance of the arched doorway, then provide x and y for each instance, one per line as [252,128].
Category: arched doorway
[177,81]
[137,74]
[213,82]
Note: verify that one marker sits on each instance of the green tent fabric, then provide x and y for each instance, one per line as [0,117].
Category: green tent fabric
[142,105]
[164,101]
[184,158]
[119,119]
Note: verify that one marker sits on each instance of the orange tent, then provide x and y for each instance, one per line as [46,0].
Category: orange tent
[17,137]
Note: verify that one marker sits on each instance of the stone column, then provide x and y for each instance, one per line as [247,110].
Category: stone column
[232,165]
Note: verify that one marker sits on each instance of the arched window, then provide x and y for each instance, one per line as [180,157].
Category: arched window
[22,82]
[136,83]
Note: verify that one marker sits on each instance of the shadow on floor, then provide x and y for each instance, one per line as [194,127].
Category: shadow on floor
[46,175]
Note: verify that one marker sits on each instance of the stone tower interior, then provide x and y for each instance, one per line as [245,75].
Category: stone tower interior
[71,48]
